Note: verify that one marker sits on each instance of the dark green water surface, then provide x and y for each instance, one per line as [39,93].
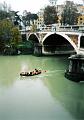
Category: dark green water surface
[48,96]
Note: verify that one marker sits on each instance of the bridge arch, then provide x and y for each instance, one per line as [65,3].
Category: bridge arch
[33,38]
[58,42]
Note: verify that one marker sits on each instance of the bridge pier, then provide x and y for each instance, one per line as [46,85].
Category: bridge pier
[75,71]
[38,49]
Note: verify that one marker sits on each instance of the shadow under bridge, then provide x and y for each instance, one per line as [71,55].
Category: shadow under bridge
[57,44]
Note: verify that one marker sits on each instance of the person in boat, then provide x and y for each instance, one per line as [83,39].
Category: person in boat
[24,73]
[37,71]
[32,73]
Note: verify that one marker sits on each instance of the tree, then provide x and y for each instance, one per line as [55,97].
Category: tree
[27,17]
[4,15]
[4,11]
[70,14]
[15,36]
[9,34]
[5,7]
[34,28]
[5,30]
[33,17]
[50,15]
[15,18]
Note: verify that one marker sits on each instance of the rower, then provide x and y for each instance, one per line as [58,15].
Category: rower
[36,70]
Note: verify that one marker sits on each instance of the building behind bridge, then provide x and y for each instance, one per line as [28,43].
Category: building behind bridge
[58,27]
[40,21]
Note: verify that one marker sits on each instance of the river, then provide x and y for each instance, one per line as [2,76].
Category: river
[47,96]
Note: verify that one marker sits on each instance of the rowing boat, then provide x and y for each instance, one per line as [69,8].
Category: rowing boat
[29,74]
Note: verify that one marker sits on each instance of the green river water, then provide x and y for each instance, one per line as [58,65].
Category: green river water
[47,96]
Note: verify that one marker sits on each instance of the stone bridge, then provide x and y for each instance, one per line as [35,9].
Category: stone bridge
[51,43]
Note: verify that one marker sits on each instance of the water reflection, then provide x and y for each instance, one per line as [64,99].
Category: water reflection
[68,93]
[8,70]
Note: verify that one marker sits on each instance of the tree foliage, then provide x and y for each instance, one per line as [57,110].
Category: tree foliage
[28,16]
[9,34]
[4,15]
[70,14]
[7,13]
[15,36]
[34,28]
[5,30]
[4,11]
[50,15]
